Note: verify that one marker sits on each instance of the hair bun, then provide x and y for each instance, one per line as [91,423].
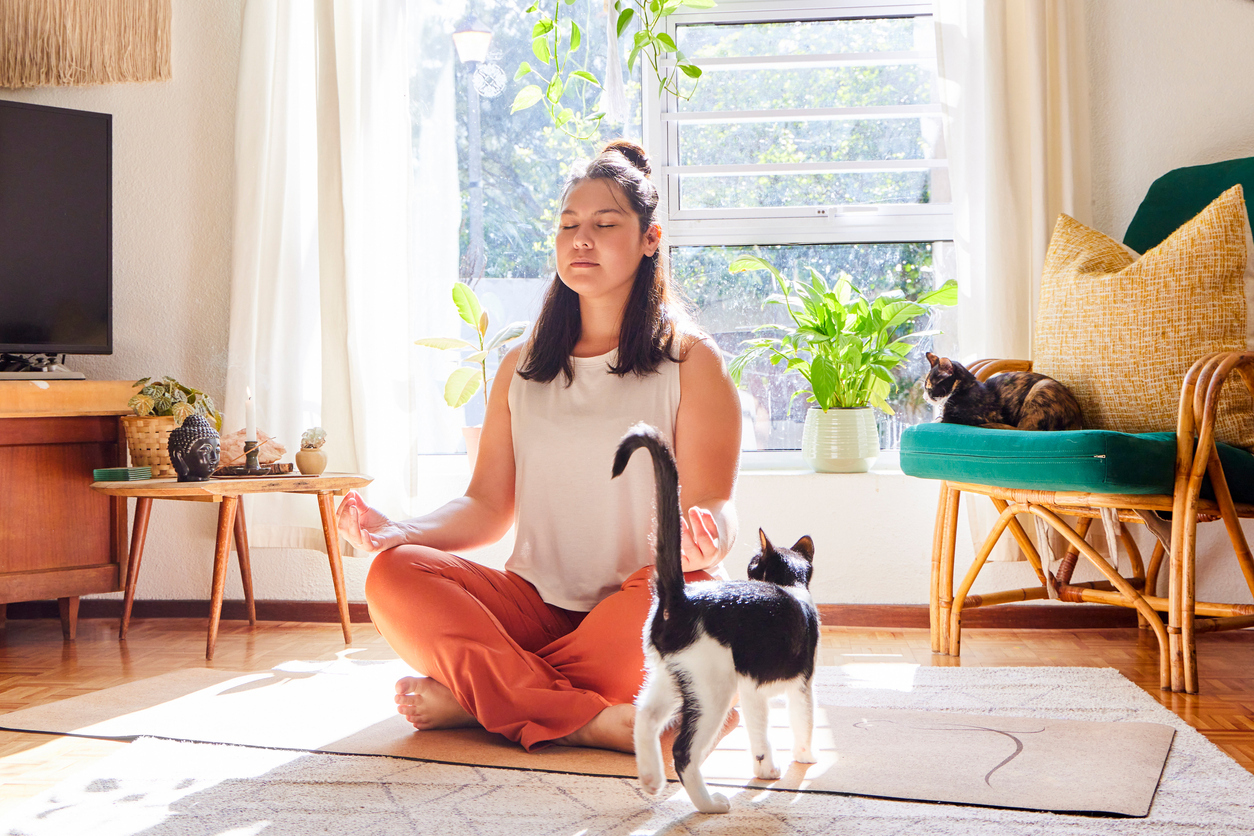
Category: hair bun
[633,152]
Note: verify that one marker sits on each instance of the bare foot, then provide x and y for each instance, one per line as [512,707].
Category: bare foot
[429,705]
[611,729]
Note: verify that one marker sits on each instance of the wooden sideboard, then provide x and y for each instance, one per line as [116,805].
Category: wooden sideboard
[59,538]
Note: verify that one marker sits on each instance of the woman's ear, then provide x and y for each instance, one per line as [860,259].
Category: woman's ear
[652,239]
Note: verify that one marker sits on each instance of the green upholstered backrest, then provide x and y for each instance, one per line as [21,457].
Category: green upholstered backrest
[1179,195]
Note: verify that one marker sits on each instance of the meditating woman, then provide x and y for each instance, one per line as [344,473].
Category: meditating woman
[549,650]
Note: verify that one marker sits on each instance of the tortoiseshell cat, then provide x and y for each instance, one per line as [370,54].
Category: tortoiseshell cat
[1007,401]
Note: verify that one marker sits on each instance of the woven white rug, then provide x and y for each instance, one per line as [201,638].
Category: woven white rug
[164,787]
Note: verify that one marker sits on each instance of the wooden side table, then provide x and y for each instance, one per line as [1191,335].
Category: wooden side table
[231,523]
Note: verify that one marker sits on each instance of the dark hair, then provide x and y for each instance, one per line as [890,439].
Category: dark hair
[654,311]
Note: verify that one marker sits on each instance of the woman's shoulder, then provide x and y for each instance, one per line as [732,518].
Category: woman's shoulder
[694,344]
[699,356]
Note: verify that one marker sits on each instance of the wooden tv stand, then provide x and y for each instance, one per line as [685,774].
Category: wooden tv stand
[60,539]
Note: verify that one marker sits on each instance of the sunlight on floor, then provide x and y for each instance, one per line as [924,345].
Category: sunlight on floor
[888,676]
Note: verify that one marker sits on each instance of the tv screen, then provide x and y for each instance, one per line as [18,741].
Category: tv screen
[56,230]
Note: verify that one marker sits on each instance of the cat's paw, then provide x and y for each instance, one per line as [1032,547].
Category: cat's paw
[764,767]
[717,803]
[804,754]
[652,782]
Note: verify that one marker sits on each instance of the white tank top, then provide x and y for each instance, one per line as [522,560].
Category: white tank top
[578,533]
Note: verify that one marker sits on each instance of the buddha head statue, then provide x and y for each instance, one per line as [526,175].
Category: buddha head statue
[194,450]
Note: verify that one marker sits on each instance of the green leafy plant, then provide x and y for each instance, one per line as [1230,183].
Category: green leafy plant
[465,381]
[555,41]
[169,397]
[652,41]
[842,344]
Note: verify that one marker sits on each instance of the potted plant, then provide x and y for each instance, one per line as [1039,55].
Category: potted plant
[846,348]
[160,406]
[310,460]
[468,379]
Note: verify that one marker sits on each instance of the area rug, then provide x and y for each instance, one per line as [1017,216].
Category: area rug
[1036,762]
[166,788]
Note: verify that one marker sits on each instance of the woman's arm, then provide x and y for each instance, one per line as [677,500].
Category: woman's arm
[707,452]
[479,518]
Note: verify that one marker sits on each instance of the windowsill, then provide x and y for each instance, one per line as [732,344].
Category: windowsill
[789,463]
[753,463]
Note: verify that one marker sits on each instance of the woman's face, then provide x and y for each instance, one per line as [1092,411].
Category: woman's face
[599,242]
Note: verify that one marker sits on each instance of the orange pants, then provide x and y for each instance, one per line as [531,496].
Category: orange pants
[523,668]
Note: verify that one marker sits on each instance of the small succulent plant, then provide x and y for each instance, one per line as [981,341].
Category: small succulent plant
[169,397]
[313,438]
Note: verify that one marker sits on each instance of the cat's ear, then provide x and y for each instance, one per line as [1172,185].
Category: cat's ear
[933,359]
[946,365]
[805,548]
[766,544]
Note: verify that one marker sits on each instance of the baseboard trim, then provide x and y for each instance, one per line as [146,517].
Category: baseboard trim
[881,616]
[311,611]
[1012,616]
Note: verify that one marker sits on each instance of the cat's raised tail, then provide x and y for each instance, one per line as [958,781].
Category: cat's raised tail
[670,571]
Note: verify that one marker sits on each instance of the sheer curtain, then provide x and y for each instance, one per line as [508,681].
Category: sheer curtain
[1014,92]
[344,250]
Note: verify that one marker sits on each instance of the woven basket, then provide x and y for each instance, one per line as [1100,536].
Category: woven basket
[148,439]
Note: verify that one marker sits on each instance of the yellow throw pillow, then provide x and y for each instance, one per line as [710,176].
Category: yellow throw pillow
[1121,330]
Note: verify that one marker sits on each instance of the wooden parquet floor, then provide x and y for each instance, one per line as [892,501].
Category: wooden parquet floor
[37,667]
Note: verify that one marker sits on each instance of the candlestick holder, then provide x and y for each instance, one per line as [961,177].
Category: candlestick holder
[251,464]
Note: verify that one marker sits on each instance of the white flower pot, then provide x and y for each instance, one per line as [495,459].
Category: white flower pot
[840,440]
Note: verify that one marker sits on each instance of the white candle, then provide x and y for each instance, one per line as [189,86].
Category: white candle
[250,417]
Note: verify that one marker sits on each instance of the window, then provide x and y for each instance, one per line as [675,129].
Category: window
[814,136]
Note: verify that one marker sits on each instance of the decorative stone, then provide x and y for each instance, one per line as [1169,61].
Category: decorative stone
[194,449]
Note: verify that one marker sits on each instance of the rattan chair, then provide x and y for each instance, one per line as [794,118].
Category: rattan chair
[1067,480]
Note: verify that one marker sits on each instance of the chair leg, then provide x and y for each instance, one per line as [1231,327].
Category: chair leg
[955,615]
[938,540]
[952,500]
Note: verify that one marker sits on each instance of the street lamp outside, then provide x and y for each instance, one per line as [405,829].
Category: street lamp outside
[471,41]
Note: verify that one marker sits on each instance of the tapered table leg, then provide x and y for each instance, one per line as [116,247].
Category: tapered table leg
[245,562]
[143,509]
[332,534]
[222,554]
[69,616]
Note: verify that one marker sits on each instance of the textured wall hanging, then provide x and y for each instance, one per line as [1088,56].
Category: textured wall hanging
[75,42]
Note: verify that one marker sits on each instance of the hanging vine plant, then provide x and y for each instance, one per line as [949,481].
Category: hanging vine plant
[555,41]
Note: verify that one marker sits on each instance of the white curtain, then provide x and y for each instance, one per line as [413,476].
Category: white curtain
[333,280]
[1014,92]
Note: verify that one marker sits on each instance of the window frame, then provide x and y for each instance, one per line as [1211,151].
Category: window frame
[845,224]
[767,226]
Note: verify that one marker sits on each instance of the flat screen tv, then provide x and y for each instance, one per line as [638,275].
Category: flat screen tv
[56,230]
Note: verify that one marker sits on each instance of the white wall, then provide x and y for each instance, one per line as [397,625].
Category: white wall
[1171,85]
[173,186]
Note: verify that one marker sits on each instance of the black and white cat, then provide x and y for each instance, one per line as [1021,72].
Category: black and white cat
[705,641]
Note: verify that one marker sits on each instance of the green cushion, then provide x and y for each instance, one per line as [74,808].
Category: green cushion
[1179,195]
[1098,461]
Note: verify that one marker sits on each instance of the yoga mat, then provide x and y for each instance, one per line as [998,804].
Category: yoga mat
[981,757]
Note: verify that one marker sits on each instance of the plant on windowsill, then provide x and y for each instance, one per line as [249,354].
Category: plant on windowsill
[160,406]
[846,348]
[468,379]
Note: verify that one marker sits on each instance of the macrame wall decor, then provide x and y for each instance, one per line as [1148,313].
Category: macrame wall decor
[77,42]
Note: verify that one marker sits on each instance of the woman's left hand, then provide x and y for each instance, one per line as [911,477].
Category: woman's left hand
[700,539]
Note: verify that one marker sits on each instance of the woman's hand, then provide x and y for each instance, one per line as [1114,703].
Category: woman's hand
[700,539]
[365,528]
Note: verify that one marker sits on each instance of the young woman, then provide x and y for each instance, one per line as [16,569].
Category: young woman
[549,650]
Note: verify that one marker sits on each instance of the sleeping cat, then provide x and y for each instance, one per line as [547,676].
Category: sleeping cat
[1007,401]
[704,641]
